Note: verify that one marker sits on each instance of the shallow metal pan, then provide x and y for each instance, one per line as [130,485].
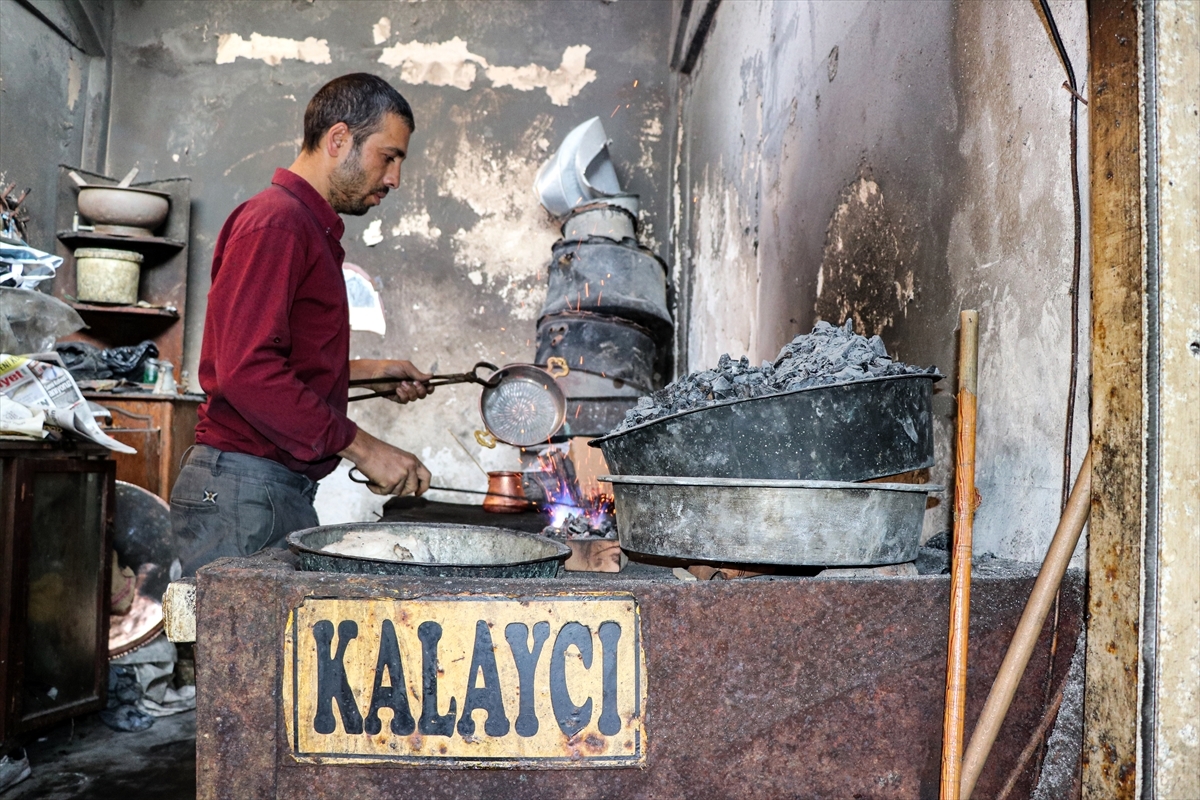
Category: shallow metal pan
[796,523]
[461,551]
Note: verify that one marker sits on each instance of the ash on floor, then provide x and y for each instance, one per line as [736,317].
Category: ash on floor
[830,354]
[85,760]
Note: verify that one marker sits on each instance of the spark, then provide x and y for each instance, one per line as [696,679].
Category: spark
[615,110]
[564,496]
[635,83]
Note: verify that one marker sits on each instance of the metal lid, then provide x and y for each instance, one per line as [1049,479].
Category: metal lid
[104,252]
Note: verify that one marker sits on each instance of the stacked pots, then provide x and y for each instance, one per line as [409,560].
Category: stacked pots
[606,315]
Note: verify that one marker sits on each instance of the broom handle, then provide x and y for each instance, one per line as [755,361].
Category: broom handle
[960,576]
[1040,600]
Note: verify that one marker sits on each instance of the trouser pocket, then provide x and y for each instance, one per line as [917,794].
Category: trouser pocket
[256,516]
[219,512]
[200,517]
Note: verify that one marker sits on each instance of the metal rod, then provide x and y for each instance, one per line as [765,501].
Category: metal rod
[468,452]
[1034,744]
[479,491]
[534,503]
[1058,557]
[960,578]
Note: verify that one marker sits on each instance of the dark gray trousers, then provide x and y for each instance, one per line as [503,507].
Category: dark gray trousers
[232,504]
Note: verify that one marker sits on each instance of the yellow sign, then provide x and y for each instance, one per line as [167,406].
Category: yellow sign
[472,681]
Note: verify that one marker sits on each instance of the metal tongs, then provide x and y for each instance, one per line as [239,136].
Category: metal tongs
[436,380]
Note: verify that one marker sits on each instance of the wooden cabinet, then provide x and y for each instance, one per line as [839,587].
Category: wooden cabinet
[163,285]
[56,512]
[159,427]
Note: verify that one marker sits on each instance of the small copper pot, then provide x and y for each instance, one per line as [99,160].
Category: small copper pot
[505,494]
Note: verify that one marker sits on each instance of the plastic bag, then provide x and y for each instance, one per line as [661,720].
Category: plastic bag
[129,362]
[30,322]
[24,267]
[84,361]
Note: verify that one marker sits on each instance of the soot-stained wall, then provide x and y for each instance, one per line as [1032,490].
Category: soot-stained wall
[896,162]
[53,103]
[217,90]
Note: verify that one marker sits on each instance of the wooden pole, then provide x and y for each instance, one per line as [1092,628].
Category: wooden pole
[1025,637]
[960,576]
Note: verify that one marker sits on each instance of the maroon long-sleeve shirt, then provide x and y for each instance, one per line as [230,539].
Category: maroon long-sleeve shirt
[275,357]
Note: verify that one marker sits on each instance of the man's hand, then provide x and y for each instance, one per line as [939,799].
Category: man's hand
[413,389]
[390,469]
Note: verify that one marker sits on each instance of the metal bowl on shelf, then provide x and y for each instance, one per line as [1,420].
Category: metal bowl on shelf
[124,211]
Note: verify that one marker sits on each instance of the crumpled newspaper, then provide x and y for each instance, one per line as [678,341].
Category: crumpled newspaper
[16,418]
[50,389]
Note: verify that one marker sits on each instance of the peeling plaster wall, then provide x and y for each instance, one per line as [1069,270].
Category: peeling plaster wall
[1176,63]
[53,109]
[217,90]
[896,162]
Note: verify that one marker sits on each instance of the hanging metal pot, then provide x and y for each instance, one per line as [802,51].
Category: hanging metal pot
[605,346]
[603,277]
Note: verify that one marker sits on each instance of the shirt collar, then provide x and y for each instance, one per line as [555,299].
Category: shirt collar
[327,218]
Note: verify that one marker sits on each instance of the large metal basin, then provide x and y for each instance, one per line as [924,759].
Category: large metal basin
[842,432]
[796,523]
[459,551]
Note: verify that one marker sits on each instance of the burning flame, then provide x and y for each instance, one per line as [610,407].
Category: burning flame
[565,497]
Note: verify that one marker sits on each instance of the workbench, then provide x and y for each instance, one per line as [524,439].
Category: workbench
[770,687]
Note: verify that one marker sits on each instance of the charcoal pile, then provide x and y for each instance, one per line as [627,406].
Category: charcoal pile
[830,354]
[577,526]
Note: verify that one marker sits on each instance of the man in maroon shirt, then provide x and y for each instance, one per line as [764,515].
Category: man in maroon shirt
[275,356]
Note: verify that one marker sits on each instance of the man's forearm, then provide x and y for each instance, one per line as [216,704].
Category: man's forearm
[356,451]
[364,369]
[389,469]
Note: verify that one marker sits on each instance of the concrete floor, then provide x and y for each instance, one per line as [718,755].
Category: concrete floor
[88,761]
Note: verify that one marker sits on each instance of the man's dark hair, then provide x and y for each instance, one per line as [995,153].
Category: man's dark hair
[360,100]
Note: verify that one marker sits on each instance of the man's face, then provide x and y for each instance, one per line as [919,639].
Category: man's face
[366,172]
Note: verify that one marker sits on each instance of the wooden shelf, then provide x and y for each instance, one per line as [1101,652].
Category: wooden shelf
[137,311]
[163,277]
[156,245]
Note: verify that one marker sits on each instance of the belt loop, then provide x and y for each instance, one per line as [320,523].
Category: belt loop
[183,458]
